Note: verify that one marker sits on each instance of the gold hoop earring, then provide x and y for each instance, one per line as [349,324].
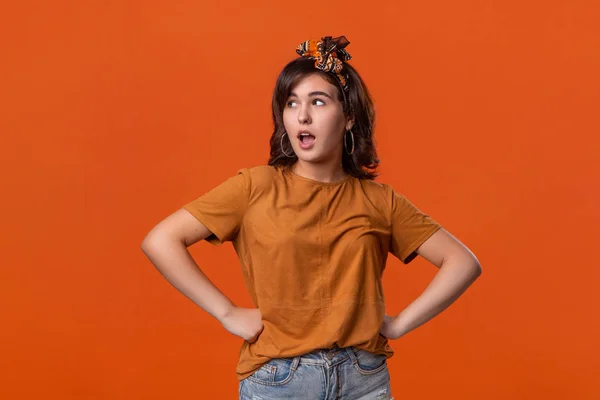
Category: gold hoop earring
[346,142]
[283,151]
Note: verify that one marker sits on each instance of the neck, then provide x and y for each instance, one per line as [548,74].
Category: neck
[329,173]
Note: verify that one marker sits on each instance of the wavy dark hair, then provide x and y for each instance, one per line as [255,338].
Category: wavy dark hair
[357,103]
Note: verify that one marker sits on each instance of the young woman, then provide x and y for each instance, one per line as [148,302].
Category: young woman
[312,230]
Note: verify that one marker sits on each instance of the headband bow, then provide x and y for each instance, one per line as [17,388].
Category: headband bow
[329,55]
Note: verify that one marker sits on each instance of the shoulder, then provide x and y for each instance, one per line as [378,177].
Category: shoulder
[379,196]
[377,191]
[259,177]
[260,174]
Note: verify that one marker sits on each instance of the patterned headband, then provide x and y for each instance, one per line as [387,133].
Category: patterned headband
[329,56]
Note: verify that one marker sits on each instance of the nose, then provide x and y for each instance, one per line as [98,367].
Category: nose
[304,115]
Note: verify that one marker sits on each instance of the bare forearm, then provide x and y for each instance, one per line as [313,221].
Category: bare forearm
[453,278]
[173,260]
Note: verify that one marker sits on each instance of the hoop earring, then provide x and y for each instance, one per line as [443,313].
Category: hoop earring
[283,151]
[345,142]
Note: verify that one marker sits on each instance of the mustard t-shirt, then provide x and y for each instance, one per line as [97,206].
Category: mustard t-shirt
[312,256]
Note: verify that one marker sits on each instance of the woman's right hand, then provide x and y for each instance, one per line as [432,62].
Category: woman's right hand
[244,322]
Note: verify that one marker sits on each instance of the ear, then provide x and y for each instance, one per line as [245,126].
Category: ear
[349,122]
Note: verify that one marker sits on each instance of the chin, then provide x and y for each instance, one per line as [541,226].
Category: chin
[311,158]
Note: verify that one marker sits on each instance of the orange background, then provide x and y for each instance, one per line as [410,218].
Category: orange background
[114,114]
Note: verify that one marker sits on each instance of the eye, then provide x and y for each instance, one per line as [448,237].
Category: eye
[318,101]
[291,103]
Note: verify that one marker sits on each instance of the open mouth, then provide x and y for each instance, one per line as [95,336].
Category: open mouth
[306,138]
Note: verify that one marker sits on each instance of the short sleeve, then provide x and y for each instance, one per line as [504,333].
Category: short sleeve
[410,228]
[222,209]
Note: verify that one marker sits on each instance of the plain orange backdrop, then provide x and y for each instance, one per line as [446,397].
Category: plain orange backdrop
[116,113]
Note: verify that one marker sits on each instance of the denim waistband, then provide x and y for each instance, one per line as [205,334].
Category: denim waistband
[334,355]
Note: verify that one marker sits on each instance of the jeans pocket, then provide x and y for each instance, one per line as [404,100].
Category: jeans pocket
[368,363]
[276,372]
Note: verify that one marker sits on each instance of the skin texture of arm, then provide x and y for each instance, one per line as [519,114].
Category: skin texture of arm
[166,248]
[458,269]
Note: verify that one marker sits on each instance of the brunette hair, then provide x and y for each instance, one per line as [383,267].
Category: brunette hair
[356,101]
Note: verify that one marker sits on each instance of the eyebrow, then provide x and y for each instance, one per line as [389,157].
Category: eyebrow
[317,93]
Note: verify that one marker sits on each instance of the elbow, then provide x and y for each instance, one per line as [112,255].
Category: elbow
[157,240]
[146,244]
[475,267]
[468,264]
[472,264]
[151,241]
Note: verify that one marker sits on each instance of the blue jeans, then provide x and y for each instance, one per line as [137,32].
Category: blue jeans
[339,373]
